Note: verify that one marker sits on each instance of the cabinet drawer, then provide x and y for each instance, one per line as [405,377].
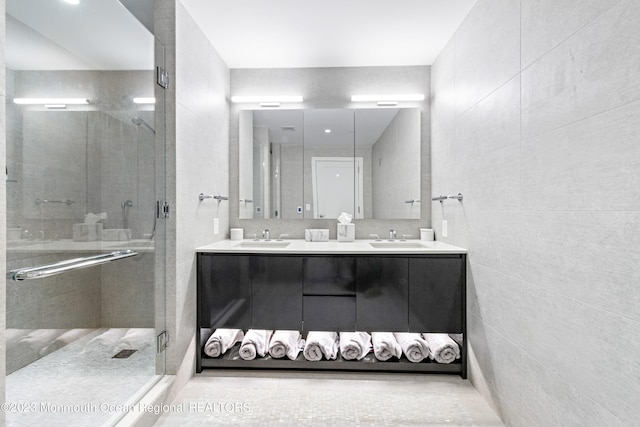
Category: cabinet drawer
[329,313]
[329,276]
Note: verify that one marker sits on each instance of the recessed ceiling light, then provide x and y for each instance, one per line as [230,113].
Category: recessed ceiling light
[72,1]
[327,131]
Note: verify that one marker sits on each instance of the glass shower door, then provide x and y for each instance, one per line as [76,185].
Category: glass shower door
[86,251]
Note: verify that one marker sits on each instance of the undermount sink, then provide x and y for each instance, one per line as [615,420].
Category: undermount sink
[397,244]
[262,244]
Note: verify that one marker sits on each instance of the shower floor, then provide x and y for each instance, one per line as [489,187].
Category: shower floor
[81,383]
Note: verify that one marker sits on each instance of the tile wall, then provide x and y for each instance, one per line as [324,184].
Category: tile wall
[535,120]
[199,163]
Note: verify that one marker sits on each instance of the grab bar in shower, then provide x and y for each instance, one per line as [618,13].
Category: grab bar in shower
[68,265]
[65,201]
[441,198]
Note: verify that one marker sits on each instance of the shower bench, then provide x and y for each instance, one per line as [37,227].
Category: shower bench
[328,291]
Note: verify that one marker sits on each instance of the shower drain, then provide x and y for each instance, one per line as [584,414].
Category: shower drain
[123,354]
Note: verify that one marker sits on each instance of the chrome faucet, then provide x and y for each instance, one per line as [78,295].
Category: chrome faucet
[392,234]
[375,236]
[265,234]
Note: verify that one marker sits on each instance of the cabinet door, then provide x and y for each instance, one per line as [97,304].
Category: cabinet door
[381,294]
[276,286]
[224,291]
[435,294]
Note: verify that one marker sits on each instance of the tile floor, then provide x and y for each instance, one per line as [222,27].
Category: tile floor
[291,398]
[80,384]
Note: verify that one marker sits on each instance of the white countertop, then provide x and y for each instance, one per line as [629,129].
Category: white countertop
[300,246]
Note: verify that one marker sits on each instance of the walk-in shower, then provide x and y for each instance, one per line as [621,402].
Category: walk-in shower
[86,284]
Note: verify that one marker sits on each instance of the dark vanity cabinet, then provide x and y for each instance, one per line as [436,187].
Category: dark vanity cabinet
[392,293]
[336,292]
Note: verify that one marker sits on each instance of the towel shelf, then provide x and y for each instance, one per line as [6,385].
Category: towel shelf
[68,265]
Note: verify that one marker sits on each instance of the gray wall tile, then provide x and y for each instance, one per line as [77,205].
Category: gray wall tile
[487,50]
[592,71]
[547,164]
[547,23]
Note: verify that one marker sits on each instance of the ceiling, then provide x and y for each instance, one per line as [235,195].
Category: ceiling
[328,33]
[103,34]
[93,35]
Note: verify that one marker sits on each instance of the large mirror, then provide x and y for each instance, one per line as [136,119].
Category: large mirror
[318,163]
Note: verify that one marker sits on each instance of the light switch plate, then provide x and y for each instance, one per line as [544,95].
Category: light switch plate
[216,226]
[444,228]
[307,207]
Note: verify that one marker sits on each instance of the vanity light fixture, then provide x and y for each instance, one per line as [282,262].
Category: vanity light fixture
[387,99]
[266,101]
[144,100]
[50,101]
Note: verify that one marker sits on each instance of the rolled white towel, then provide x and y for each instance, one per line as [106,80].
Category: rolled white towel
[286,343]
[354,345]
[443,349]
[385,345]
[319,344]
[413,346]
[255,343]
[221,341]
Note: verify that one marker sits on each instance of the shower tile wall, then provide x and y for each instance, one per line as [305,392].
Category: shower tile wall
[200,162]
[49,155]
[535,120]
